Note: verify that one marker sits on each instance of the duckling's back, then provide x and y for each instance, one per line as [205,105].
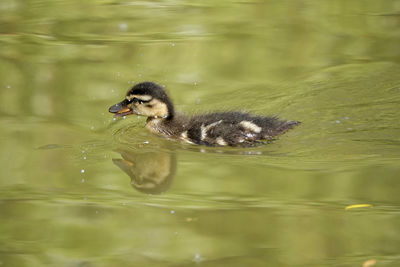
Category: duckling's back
[234,128]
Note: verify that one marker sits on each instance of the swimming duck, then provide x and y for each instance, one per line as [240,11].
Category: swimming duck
[213,129]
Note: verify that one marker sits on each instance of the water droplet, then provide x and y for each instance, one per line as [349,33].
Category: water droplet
[82,171]
[114,119]
[84,158]
[145,142]
[337,121]
[172,212]
[124,117]
[197,257]
[123,26]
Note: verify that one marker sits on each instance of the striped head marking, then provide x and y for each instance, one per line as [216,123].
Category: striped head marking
[145,99]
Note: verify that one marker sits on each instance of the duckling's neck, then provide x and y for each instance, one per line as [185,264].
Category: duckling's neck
[171,126]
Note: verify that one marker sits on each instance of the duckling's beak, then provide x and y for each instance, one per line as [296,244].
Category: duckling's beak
[121,109]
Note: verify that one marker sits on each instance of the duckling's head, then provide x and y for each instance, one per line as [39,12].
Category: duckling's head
[146,99]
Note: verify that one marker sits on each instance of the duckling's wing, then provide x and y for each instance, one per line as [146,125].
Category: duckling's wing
[235,128]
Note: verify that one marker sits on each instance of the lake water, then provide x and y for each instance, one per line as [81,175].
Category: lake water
[78,188]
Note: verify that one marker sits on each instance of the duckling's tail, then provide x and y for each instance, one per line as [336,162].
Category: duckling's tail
[287,125]
[293,123]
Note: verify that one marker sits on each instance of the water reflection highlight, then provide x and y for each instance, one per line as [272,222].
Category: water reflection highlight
[150,172]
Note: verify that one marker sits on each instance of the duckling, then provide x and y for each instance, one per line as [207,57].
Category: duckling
[214,129]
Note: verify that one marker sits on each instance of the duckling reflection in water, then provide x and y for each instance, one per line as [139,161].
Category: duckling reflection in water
[150,172]
[213,129]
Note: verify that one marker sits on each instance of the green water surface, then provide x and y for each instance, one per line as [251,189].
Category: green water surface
[78,188]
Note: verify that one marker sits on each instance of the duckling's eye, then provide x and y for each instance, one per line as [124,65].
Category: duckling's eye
[137,100]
